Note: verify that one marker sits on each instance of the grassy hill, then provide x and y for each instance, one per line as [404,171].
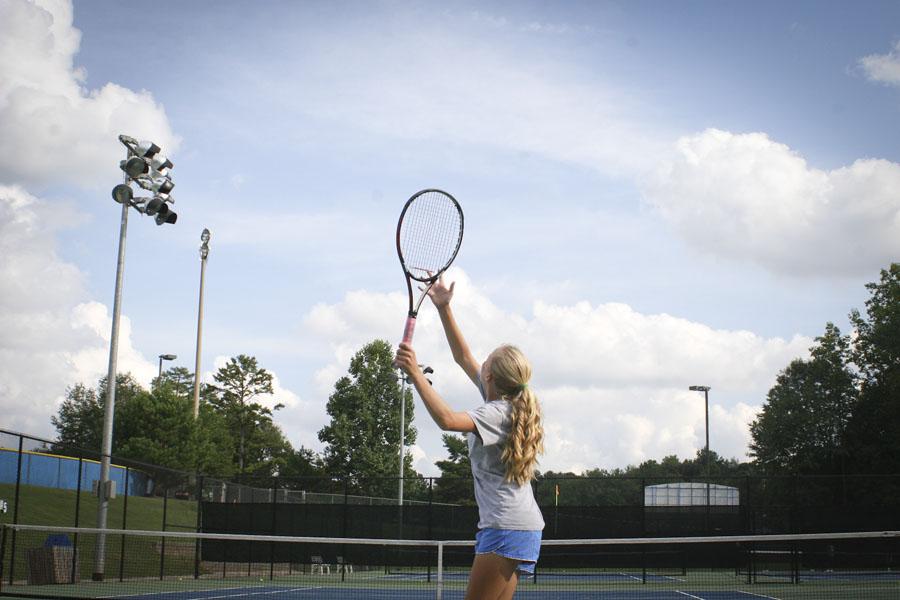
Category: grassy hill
[50,506]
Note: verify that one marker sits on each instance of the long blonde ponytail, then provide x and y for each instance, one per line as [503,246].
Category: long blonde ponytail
[511,372]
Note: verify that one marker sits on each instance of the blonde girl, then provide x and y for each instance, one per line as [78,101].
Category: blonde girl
[505,437]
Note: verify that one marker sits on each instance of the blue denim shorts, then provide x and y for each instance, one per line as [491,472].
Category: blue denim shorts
[524,546]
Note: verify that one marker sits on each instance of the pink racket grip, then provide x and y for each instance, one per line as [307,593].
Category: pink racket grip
[409,329]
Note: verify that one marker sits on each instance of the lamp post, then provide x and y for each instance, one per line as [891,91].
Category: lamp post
[163,357]
[204,253]
[705,390]
[146,167]
[403,381]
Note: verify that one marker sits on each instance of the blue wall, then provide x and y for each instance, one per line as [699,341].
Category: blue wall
[61,472]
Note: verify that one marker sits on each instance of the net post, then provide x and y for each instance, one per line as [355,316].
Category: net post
[795,563]
[440,570]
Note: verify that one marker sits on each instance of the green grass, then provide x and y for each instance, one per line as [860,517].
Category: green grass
[55,507]
[50,506]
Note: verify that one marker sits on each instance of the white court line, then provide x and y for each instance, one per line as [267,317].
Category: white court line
[757,595]
[688,595]
[173,592]
[285,591]
[632,576]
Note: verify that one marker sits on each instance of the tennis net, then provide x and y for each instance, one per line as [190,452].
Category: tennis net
[60,562]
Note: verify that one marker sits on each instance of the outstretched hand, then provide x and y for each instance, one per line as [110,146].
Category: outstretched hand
[406,359]
[440,294]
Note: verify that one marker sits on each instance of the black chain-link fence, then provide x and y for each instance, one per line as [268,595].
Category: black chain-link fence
[42,487]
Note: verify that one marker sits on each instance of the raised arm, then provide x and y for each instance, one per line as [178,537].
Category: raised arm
[441,295]
[445,417]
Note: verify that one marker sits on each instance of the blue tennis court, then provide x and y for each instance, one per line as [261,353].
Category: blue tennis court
[343,593]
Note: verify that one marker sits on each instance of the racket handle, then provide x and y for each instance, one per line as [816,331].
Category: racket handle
[409,329]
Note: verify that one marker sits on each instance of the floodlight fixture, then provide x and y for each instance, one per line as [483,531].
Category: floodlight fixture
[164,215]
[161,164]
[699,388]
[154,205]
[161,186]
[122,193]
[204,237]
[146,149]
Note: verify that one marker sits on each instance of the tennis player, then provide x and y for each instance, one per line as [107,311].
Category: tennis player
[505,437]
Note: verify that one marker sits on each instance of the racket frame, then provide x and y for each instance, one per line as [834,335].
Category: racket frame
[410,326]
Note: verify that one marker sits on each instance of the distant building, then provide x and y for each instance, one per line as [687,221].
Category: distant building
[684,494]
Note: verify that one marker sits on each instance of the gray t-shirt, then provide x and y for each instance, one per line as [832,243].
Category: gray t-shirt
[501,504]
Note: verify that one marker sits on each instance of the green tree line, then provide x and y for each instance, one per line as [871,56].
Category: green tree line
[834,413]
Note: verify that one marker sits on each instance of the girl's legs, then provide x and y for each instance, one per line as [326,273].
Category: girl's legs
[493,577]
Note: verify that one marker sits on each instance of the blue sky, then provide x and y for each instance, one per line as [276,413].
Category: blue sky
[656,195]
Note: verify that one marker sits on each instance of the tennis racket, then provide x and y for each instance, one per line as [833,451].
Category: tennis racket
[429,234]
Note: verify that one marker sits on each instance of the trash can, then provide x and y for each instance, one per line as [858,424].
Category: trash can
[54,562]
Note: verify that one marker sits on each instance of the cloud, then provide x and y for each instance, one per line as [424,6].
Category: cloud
[747,197]
[883,68]
[459,90]
[53,335]
[55,130]
[613,382]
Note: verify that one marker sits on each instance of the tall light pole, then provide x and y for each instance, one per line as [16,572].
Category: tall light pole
[204,253]
[163,357]
[403,381]
[705,390]
[146,167]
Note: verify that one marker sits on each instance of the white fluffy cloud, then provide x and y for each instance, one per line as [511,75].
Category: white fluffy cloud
[54,132]
[613,382]
[883,68]
[53,129]
[53,335]
[748,197]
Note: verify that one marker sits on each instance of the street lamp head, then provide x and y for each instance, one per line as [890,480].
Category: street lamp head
[699,388]
[168,356]
[204,237]
[122,193]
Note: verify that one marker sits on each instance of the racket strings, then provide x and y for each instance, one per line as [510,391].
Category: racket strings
[430,234]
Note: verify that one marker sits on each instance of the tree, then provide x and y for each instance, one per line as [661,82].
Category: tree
[875,427]
[455,483]
[259,440]
[160,428]
[802,425]
[179,379]
[79,422]
[363,439]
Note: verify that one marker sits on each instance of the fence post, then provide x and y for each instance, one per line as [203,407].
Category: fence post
[124,524]
[272,545]
[12,552]
[199,525]
[162,554]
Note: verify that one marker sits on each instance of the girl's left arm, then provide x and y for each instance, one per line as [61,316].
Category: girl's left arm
[445,417]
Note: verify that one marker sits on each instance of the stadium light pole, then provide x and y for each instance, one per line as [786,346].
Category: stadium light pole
[146,167]
[403,381]
[705,390]
[204,253]
[163,357]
